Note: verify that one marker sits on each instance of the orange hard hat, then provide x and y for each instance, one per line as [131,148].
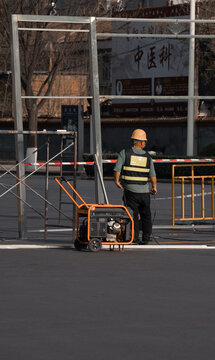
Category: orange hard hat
[139,134]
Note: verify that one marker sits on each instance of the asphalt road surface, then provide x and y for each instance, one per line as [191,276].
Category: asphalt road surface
[64,304]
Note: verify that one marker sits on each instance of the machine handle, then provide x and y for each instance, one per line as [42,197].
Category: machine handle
[68,183]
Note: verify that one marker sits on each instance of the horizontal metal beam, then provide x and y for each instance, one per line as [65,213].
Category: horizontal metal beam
[57,97]
[156,97]
[154,36]
[58,30]
[157,20]
[43,132]
[53,19]
[125,97]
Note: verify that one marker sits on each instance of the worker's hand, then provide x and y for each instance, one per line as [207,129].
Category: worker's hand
[117,179]
[119,185]
[153,191]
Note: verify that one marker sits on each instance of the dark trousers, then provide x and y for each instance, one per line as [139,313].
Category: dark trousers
[140,205]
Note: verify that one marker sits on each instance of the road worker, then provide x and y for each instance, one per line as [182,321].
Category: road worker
[133,170]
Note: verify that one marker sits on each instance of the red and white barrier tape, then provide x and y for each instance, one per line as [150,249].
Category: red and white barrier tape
[182,160]
[160,161]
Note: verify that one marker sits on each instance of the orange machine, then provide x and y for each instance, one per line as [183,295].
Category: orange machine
[100,224]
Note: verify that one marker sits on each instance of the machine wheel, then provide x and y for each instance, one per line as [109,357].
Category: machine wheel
[94,245]
[78,245]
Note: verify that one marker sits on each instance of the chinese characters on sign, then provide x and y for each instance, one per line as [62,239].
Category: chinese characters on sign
[150,66]
[164,56]
[138,57]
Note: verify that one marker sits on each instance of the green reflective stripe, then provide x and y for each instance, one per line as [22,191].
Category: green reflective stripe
[129,168]
[134,178]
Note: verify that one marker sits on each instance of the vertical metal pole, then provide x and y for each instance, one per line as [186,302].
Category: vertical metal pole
[91,136]
[19,139]
[80,136]
[182,198]
[212,196]
[203,197]
[96,109]
[61,174]
[74,185]
[173,195]
[192,192]
[46,187]
[191,84]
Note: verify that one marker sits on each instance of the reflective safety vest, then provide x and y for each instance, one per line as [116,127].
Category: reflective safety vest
[136,168]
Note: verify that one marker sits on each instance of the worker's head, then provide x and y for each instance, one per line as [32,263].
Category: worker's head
[139,138]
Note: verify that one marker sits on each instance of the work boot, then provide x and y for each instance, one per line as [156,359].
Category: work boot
[145,240]
[141,242]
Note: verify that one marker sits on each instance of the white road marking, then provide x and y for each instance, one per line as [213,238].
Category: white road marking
[51,230]
[185,196]
[157,227]
[107,247]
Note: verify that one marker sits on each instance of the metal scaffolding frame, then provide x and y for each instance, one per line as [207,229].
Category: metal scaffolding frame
[17,96]
[95,96]
[22,223]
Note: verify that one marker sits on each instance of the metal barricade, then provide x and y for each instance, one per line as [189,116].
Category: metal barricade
[192,179]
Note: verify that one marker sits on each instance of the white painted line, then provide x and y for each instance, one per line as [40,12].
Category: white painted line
[183,227]
[157,227]
[162,247]
[176,247]
[107,247]
[185,196]
[51,230]
[16,247]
